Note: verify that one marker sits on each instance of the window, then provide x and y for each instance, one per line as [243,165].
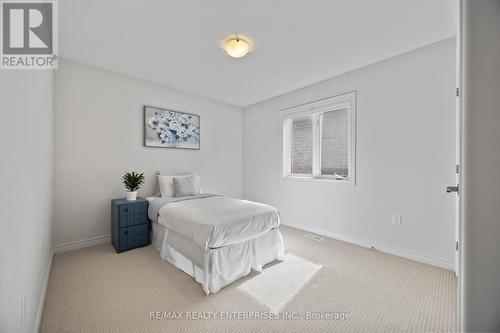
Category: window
[319,140]
[302,145]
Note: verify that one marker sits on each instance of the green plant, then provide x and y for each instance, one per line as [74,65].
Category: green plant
[133,180]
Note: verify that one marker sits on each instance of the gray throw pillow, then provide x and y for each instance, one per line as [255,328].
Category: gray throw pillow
[186,185]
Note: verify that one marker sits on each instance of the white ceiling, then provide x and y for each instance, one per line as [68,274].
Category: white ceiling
[296,42]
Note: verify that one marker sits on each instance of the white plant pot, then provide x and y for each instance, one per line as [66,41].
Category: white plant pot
[131,196]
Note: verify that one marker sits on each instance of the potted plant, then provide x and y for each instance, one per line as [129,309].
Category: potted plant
[132,181]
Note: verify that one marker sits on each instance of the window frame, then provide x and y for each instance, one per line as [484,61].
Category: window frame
[315,110]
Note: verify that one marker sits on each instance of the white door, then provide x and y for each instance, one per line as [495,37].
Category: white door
[455,188]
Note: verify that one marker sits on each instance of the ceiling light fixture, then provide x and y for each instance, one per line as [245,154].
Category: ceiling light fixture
[236,47]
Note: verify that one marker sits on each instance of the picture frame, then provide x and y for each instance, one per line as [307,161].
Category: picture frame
[167,128]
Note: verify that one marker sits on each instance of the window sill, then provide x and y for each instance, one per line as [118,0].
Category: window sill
[317,179]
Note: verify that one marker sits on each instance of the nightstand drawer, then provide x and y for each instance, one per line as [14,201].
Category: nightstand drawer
[129,220]
[132,242]
[133,236]
[123,244]
[126,232]
[126,209]
[141,208]
[141,240]
[140,219]
[141,229]
[134,231]
[126,220]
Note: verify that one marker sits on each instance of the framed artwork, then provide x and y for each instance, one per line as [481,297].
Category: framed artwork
[171,129]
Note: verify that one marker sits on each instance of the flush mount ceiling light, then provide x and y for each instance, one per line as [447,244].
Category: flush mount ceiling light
[236,47]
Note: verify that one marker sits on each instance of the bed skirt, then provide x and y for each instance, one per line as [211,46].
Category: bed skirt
[216,268]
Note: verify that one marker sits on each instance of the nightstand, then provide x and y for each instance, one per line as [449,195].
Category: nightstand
[129,224]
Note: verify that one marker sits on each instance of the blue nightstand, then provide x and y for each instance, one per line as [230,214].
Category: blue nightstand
[129,224]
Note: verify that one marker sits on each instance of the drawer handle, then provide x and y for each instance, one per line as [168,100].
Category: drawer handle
[125,210]
[126,232]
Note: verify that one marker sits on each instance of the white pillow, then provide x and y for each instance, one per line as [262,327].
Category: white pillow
[166,185]
[186,185]
[165,173]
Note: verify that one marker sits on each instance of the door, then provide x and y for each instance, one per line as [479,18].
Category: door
[454,189]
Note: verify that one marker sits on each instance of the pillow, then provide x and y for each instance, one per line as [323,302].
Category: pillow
[171,174]
[186,185]
[166,186]
[178,174]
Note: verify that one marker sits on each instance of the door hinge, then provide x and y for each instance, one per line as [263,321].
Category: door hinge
[457,169]
[458,91]
[456,246]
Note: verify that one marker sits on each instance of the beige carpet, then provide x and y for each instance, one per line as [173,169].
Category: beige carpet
[97,290]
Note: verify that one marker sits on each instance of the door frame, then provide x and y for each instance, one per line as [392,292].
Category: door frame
[459,175]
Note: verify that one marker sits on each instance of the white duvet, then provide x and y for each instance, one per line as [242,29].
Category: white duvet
[217,221]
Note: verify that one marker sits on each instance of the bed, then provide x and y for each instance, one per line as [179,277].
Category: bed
[215,239]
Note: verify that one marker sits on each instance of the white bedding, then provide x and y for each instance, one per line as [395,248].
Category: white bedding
[218,240]
[218,221]
[227,264]
[157,235]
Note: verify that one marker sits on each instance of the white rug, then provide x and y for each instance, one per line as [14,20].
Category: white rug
[277,285]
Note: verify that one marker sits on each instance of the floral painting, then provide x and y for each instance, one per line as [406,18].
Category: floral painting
[171,129]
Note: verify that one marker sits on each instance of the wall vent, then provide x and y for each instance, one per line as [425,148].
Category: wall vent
[313,237]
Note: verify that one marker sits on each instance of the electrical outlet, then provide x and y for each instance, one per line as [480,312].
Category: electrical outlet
[396,219]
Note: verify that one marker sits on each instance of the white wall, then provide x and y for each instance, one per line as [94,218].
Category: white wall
[26,146]
[405,158]
[481,166]
[99,136]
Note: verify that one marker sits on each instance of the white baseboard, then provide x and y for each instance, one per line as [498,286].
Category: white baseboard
[38,320]
[65,247]
[397,251]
